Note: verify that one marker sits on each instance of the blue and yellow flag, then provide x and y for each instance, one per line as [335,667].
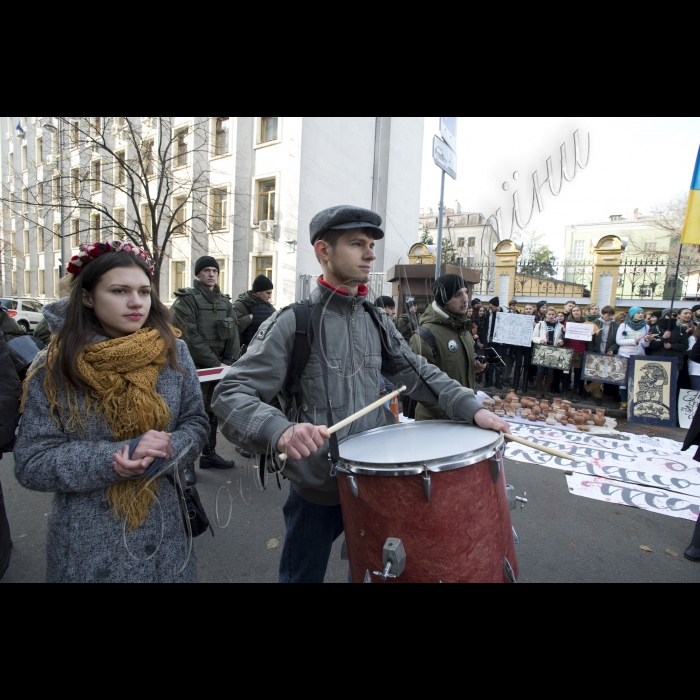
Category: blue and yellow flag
[691,229]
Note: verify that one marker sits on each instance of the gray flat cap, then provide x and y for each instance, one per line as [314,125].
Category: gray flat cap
[345,218]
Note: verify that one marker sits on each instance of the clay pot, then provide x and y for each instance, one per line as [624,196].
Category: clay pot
[525,413]
[500,414]
[599,419]
[579,420]
[541,419]
[588,414]
[528,402]
[532,417]
[535,410]
[557,403]
[544,404]
[551,420]
[564,420]
[584,428]
[566,406]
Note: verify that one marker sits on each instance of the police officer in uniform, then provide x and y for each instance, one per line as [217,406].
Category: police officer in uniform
[252,310]
[207,321]
[444,338]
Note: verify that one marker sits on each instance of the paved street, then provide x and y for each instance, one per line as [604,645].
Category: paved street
[564,538]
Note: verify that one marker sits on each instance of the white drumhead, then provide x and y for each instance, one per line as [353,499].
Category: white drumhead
[428,443]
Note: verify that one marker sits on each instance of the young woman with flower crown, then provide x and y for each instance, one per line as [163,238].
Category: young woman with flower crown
[112,411]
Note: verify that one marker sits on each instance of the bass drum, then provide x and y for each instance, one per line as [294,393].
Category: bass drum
[438,487]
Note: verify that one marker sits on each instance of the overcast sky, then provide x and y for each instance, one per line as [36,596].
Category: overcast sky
[636,162]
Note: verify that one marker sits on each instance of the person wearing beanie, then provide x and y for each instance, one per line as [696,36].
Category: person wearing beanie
[339,346]
[445,339]
[494,374]
[252,309]
[696,315]
[208,324]
[388,304]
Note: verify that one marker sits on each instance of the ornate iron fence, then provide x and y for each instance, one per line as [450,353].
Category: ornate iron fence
[654,279]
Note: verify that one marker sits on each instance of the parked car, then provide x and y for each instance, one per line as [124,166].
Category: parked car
[26,312]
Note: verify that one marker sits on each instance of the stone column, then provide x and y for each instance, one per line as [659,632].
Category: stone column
[607,253]
[507,254]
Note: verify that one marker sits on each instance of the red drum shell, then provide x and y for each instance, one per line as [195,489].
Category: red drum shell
[462,536]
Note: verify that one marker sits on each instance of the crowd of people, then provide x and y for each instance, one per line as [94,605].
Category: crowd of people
[114,417]
[669,333]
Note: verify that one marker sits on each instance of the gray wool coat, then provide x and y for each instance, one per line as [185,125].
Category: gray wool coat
[85,544]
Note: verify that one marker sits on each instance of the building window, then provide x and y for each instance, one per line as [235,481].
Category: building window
[75,233]
[461,242]
[219,207]
[96,226]
[40,150]
[96,176]
[56,190]
[222,136]
[181,148]
[147,157]
[26,241]
[179,227]
[57,238]
[120,168]
[268,129]
[263,266]
[146,222]
[42,241]
[472,243]
[579,250]
[25,164]
[27,283]
[474,220]
[650,247]
[119,216]
[75,134]
[179,276]
[75,183]
[42,283]
[266,200]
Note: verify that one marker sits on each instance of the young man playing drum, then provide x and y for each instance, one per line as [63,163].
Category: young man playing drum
[352,346]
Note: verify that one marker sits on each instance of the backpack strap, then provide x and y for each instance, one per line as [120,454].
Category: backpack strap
[301,352]
[427,335]
[389,350]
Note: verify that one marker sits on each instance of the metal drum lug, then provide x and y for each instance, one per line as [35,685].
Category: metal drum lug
[516,539]
[509,573]
[496,466]
[513,500]
[354,486]
[368,577]
[427,485]
[394,557]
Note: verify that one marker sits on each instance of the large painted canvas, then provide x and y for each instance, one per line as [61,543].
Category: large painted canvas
[605,369]
[552,358]
[688,402]
[652,391]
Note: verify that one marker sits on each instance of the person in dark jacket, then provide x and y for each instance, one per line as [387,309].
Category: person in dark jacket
[8,326]
[10,394]
[208,324]
[408,322]
[672,343]
[389,305]
[604,343]
[494,310]
[693,438]
[252,310]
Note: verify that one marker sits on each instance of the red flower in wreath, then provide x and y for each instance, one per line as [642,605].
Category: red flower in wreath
[92,251]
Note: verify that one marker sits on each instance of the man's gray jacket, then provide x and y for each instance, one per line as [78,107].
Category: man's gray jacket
[354,357]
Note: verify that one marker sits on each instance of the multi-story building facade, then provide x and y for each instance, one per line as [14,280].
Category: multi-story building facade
[472,236]
[265,179]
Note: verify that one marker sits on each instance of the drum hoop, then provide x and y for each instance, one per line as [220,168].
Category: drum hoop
[466,459]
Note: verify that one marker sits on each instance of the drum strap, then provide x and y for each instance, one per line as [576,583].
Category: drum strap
[427,335]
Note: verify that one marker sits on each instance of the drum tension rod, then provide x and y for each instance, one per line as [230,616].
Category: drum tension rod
[427,485]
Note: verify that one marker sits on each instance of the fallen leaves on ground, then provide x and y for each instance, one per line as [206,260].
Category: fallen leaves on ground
[646,549]
[634,529]
[273,544]
[672,553]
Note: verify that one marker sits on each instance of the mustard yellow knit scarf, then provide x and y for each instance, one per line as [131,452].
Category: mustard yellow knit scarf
[122,374]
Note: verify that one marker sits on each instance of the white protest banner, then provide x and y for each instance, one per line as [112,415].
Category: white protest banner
[687,407]
[580,331]
[653,500]
[514,329]
[212,375]
[629,469]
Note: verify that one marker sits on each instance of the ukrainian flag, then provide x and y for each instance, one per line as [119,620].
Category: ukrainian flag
[691,229]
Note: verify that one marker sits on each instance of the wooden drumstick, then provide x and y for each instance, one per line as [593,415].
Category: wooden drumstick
[358,415]
[540,448]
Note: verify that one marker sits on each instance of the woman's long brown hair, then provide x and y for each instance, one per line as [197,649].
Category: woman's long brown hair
[82,325]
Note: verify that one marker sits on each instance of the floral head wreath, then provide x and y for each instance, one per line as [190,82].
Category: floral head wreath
[92,251]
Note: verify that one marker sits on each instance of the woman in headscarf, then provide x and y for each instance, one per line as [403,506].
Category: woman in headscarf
[632,338]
